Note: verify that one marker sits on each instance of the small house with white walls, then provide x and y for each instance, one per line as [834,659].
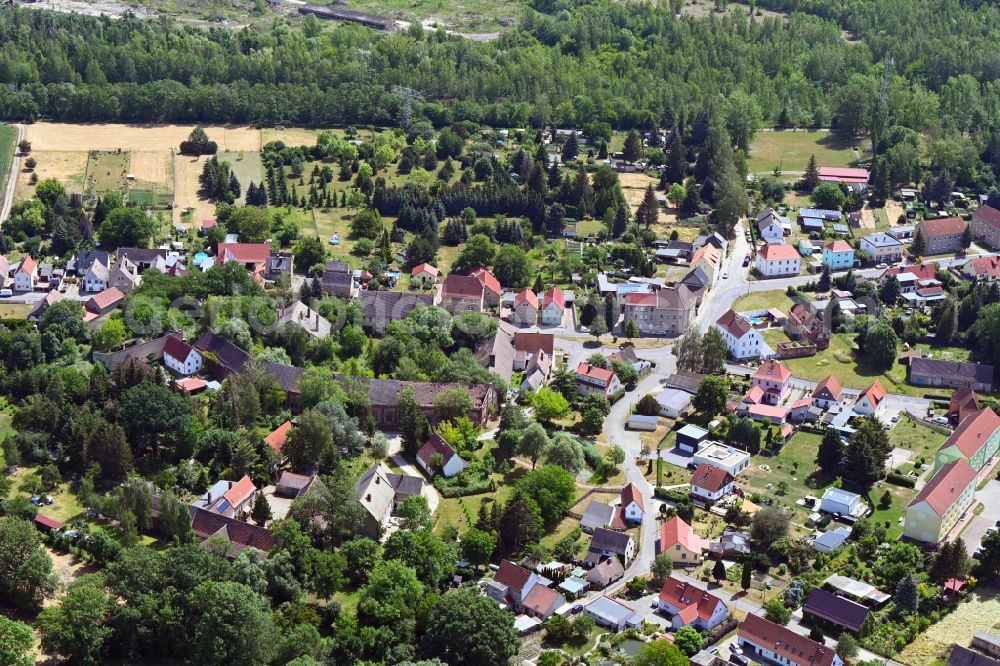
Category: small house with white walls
[26,274]
[632,506]
[181,357]
[771,226]
[778,260]
[742,339]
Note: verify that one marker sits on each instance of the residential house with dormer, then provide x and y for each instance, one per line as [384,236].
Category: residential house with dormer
[772,379]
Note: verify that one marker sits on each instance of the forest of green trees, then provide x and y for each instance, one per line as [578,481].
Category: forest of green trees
[605,65]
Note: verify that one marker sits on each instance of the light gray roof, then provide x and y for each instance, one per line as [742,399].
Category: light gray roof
[598,514]
[882,240]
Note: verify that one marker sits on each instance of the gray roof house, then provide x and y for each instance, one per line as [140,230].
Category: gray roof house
[605,572]
[951,374]
[597,515]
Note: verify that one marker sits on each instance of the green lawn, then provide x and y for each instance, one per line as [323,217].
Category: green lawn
[248,169]
[838,360]
[761,300]
[793,465]
[8,136]
[913,436]
[791,150]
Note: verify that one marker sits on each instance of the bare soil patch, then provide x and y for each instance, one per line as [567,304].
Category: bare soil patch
[65,166]
[634,187]
[111,136]
[893,210]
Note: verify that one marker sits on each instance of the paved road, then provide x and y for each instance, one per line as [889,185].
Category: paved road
[15,167]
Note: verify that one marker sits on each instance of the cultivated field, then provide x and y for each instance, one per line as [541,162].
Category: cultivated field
[111,136]
[791,150]
[981,612]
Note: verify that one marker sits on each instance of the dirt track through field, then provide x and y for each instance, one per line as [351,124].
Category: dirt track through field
[110,136]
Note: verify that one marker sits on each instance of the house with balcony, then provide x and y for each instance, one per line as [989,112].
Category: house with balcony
[882,248]
[742,339]
[772,378]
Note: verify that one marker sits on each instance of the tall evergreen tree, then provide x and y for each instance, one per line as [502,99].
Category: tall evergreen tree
[811,177]
[677,165]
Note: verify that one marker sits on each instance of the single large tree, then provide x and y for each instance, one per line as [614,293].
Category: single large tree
[308,440]
[79,625]
[470,630]
[811,177]
[712,395]
[552,488]
[26,576]
[229,623]
[830,453]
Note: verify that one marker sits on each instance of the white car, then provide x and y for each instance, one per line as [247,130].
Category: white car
[725,276]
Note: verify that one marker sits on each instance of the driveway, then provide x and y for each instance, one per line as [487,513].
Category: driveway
[410,469]
[989,497]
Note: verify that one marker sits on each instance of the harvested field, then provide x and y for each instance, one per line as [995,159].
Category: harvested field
[293,136]
[634,187]
[111,136]
[980,612]
[151,166]
[65,166]
[186,172]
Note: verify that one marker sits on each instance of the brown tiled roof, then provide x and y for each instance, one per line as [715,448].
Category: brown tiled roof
[487,279]
[526,296]
[734,324]
[540,599]
[599,374]
[511,575]
[828,389]
[947,226]
[229,355]
[435,444]
[836,609]
[785,642]
[104,299]
[630,493]
[461,286]
[988,215]
[276,440]
[176,348]
[711,478]
[534,342]
[676,531]
[554,295]
[241,535]
[773,370]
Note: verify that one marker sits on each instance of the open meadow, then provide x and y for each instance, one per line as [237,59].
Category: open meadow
[790,150]
[189,206]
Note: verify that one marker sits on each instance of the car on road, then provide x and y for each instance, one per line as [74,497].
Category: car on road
[746,259]
[712,649]
[895,419]
[882,266]
[725,276]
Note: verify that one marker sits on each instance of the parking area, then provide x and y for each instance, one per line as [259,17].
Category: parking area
[974,532]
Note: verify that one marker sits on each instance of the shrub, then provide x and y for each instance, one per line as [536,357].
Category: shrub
[897,479]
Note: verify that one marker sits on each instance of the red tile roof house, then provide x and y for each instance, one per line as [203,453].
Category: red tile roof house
[772,377]
[228,498]
[553,307]
[943,235]
[680,543]
[592,379]
[542,602]
[26,274]
[964,402]
[770,643]
[711,483]
[525,308]
[462,293]
[827,393]
[986,226]
[425,273]
[276,440]
[768,414]
[631,504]
[449,463]
[181,357]
[690,606]
[871,401]
[491,287]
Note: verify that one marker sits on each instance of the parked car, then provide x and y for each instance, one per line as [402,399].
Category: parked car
[725,276]
[6,293]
